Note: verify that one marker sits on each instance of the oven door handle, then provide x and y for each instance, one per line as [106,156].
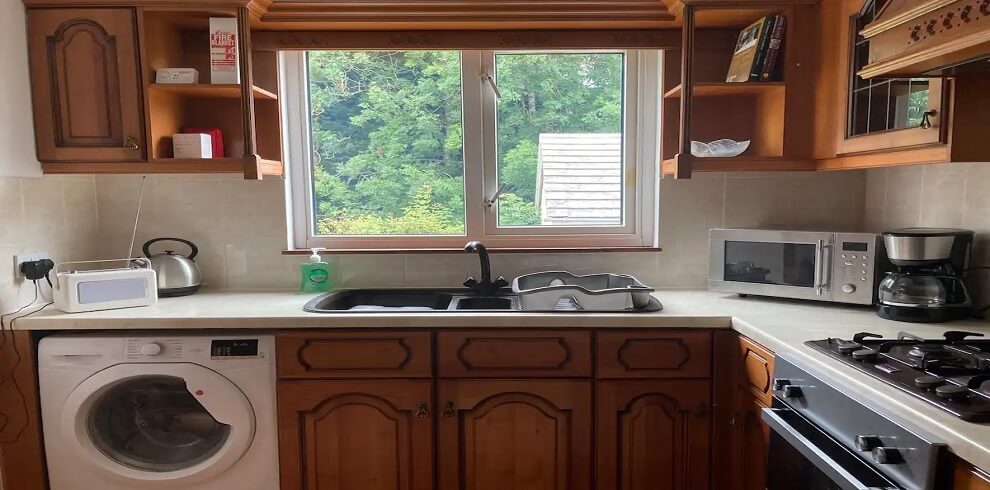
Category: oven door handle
[812,453]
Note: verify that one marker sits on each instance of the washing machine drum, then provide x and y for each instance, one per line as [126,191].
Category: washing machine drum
[155,424]
[160,422]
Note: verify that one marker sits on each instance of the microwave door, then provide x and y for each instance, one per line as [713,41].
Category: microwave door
[784,264]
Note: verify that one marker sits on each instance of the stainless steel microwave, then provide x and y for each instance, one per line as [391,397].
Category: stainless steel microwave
[823,266]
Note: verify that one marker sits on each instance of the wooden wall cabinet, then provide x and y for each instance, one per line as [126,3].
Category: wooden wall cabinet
[502,409]
[87,90]
[98,110]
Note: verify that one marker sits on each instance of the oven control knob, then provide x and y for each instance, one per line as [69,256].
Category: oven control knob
[793,391]
[929,382]
[152,349]
[952,392]
[846,347]
[865,355]
[886,455]
[780,383]
[867,443]
[848,288]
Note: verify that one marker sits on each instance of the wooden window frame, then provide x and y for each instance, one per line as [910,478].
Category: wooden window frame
[640,155]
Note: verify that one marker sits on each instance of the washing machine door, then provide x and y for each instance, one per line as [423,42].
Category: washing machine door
[159,424]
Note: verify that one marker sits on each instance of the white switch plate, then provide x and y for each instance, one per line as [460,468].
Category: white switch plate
[28,257]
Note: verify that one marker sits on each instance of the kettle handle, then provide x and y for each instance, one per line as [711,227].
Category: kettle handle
[194,250]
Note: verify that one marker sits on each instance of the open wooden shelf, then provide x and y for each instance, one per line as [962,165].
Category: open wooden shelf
[250,167]
[743,164]
[722,89]
[232,91]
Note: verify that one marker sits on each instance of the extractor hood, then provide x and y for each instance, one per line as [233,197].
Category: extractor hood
[929,38]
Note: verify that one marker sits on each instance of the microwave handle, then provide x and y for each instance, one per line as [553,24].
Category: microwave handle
[823,266]
[821,459]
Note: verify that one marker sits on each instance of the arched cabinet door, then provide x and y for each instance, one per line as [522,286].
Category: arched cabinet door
[519,435]
[653,435]
[355,435]
[86,85]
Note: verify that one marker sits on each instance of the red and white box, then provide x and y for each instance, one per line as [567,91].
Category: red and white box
[224,63]
[192,145]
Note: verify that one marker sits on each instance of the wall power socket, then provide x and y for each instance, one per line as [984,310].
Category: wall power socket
[26,257]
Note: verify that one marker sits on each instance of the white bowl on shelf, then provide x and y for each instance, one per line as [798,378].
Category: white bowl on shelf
[720,148]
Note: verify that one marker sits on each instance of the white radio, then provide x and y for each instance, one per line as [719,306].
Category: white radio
[77,291]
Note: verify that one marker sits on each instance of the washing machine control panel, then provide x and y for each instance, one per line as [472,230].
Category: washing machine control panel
[148,349]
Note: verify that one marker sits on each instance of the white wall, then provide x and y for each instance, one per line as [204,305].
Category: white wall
[17,151]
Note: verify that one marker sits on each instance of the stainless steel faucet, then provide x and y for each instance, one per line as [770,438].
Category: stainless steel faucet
[485,287]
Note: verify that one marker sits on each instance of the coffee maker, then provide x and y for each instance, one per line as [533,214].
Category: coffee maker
[927,284]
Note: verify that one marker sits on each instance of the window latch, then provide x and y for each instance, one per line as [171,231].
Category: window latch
[498,193]
[491,83]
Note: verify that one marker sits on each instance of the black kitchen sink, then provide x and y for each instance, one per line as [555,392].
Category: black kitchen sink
[484,303]
[381,299]
[427,300]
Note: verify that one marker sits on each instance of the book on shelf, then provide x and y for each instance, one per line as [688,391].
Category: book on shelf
[774,48]
[756,52]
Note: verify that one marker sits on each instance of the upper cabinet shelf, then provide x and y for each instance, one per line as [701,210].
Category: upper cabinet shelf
[722,89]
[231,91]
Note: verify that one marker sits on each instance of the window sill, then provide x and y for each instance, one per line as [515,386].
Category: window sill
[390,251]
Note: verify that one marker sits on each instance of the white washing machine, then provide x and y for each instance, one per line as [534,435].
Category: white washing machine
[159,412]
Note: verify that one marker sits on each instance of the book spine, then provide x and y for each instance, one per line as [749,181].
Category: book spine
[761,48]
[773,53]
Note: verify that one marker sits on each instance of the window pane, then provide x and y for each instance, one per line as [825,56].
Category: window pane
[559,138]
[387,143]
[908,102]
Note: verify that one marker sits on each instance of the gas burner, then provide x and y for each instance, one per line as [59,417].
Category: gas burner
[952,373]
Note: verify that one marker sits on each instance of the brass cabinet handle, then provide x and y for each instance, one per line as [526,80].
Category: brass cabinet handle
[422,411]
[131,143]
[926,122]
[448,411]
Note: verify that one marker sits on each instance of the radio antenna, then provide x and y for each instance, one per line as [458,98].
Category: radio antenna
[137,218]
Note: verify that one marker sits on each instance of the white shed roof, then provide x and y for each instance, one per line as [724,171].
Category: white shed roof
[579,179]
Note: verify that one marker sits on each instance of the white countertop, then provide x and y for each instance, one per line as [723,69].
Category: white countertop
[781,325]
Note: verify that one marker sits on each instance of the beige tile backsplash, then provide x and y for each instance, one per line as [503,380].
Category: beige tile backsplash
[54,214]
[942,195]
[240,229]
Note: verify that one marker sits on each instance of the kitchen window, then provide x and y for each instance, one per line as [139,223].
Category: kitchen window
[430,149]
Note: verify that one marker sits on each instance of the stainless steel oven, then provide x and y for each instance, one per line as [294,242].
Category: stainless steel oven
[822,439]
[824,266]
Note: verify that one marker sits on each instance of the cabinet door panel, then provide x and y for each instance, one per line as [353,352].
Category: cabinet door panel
[354,355]
[655,354]
[348,435]
[86,85]
[519,435]
[494,354]
[653,435]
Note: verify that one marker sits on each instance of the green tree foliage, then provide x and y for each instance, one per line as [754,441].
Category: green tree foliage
[387,133]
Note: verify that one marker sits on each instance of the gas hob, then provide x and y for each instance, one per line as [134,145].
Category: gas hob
[952,373]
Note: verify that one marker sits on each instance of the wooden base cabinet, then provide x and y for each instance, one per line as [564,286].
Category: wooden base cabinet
[519,435]
[356,435]
[653,435]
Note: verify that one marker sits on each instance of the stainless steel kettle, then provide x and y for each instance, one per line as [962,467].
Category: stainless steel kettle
[178,275]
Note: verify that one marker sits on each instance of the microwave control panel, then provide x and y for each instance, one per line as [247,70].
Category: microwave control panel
[854,267]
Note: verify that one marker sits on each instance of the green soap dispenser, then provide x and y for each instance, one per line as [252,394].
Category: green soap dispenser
[315,274]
